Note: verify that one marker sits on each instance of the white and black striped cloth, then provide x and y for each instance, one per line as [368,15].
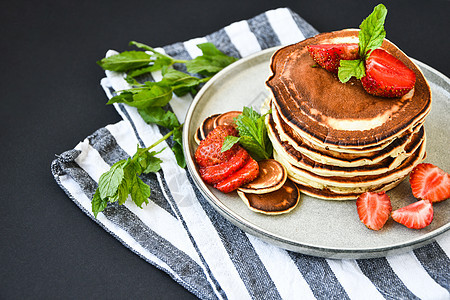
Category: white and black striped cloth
[180,233]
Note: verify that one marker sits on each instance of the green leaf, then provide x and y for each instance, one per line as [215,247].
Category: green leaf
[372,31]
[139,191]
[256,150]
[211,62]
[179,155]
[125,61]
[350,68]
[110,181]
[229,142]
[98,204]
[153,95]
[253,134]
[157,115]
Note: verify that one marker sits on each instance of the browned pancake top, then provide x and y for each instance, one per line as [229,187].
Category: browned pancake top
[315,102]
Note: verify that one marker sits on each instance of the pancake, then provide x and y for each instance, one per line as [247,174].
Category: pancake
[302,161]
[328,113]
[325,156]
[335,140]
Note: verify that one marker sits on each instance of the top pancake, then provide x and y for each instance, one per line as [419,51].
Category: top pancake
[339,115]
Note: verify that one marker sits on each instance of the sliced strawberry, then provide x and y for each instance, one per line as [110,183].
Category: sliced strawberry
[209,152]
[386,76]
[246,174]
[430,183]
[216,173]
[374,209]
[416,215]
[328,56]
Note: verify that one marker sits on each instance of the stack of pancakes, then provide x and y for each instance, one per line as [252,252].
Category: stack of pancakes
[335,140]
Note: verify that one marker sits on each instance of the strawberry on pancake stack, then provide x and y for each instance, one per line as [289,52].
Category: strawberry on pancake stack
[338,140]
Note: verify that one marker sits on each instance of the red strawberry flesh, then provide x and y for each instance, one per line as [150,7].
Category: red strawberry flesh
[216,173]
[245,175]
[209,152]
[328,56]
[374,209]
[386,76]
[416,215]
[430,183]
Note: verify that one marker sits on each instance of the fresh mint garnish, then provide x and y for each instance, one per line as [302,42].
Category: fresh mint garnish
[370,37]
[252,135]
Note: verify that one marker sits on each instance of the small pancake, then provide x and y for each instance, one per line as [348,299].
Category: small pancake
[272,175]
[277,202]
[328,113]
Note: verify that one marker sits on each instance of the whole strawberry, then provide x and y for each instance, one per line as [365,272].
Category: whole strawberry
[209,152]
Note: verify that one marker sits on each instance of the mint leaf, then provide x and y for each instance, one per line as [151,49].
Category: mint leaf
[157,115]
[110,181]
[350,68]
[178,147]
[210,62]
[124,61]
[370,37]
[98,204]
[139,191]
[372,31]
[152,95]
[228,142]
[253,134]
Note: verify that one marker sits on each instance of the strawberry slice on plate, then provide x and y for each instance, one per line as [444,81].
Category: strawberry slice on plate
[244,175]
[209,152]
[416,215]
[216,173]
[374,209]
[386,76]
[430,183]
[328,56]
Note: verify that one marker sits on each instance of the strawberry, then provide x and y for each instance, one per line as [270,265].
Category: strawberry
[386,76]
[209,152]
[328,56]
[246,174]
[374,209]
[416,215]
[216,173]
[430,183]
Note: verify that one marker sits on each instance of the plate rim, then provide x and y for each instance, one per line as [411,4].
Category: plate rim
[287,243]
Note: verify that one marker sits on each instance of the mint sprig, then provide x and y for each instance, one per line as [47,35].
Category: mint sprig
[252,135]
[122,180]
[370,37]
[151,98]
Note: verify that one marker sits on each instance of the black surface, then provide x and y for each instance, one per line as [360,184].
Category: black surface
[51,100]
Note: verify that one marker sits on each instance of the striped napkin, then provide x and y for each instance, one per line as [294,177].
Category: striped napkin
[181,234]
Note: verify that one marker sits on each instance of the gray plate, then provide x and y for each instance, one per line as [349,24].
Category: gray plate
[318,227]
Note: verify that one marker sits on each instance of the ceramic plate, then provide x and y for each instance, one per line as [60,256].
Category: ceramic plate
[316,227]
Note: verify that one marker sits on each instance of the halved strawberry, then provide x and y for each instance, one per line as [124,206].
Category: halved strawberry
[328,56]
[246,174]
[386,76]
[209,152]
[374,209]
[430,183]
[216,173]
[416,215]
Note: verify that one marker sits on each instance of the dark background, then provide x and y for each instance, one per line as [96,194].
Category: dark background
[51,99]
